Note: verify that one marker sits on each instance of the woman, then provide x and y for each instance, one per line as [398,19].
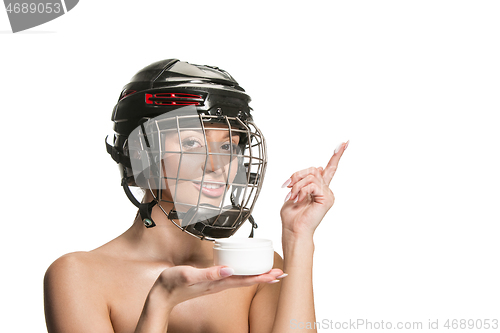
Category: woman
[202,167]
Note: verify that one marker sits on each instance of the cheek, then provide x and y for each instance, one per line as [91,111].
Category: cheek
[174,167]
[185,167]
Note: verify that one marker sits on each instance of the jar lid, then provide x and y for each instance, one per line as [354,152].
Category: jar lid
[242,243]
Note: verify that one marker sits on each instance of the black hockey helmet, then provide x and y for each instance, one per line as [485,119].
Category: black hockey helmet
[215,97]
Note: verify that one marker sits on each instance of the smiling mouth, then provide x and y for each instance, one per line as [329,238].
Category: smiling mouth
[212,190]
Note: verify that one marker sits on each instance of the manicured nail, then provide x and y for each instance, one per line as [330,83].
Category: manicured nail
[282,276]
[226,271]
[288,196]
[274,281]
[296,199]
[286,183]
[338,148]
[346,144]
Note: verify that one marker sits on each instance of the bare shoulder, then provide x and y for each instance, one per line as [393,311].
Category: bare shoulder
[73,275]
[265,302]
[82,271]
[71,294]
[278,260]
[73,267]
[278,263]
[70,261]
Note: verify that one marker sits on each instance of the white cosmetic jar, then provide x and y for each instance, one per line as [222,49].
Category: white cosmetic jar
[247,256]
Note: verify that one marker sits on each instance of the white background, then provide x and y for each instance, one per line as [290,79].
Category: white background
[414,232]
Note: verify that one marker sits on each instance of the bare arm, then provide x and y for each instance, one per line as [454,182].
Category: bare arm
[296,301]
[309,200]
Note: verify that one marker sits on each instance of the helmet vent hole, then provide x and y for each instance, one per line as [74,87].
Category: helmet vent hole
[174,99]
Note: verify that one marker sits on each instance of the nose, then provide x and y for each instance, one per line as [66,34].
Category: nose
[217,159]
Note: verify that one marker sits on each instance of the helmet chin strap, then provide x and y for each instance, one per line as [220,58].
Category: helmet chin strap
[145,208]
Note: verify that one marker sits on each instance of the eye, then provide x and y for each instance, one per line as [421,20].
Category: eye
[230,147]
[191,143]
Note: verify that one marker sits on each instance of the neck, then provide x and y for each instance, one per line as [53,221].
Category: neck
[167,243]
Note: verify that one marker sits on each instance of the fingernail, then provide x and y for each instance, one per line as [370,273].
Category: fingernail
[226,271]
[338,148]
[288,196]
[274,281]
[282,276]
[346,144]
[296,199]
[286,183]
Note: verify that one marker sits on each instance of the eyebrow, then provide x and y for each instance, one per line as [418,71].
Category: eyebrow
[234,134]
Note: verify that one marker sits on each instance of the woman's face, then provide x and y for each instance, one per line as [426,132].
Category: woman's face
[196,169]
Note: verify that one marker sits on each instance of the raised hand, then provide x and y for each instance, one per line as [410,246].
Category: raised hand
[310,197]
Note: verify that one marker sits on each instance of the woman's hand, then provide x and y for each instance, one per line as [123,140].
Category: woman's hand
[180,283]
[310,197]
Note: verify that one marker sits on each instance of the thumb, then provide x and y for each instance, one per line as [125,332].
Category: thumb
[217,272]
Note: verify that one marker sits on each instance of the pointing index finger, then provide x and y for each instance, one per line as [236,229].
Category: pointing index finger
[332,165]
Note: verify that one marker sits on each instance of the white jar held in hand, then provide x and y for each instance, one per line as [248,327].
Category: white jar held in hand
[247,256]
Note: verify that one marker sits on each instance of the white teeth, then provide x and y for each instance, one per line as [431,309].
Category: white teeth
[212,186]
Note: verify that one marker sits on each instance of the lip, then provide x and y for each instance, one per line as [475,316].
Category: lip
[210,189]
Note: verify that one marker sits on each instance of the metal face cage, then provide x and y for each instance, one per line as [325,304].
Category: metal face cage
[205,172]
